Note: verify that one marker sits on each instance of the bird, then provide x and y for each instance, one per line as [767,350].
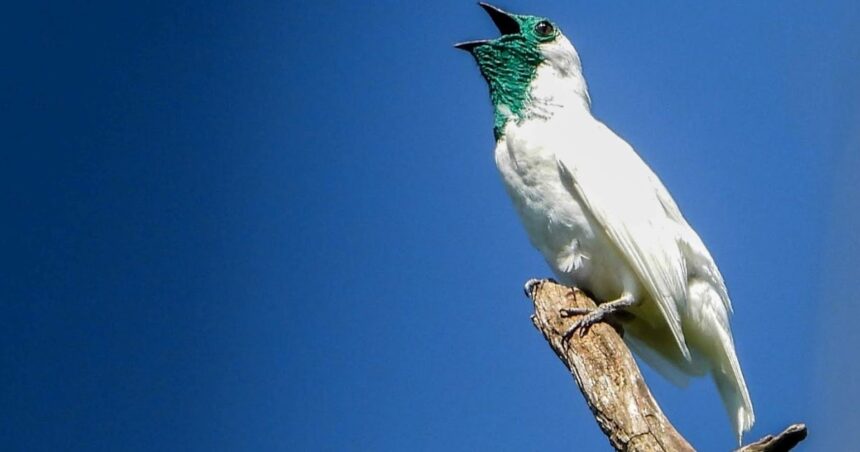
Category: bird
[601,218]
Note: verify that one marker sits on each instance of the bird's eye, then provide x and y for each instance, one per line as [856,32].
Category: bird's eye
[544,29]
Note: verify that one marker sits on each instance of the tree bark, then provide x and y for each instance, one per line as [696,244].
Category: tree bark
[783,442]
[610,380]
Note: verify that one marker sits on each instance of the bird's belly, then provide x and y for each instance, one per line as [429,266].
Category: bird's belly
[575,247]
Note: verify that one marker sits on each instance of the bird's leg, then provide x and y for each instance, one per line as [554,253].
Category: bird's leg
[593,316]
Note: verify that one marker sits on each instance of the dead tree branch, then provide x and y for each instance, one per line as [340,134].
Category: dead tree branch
[785,441]
[610,380]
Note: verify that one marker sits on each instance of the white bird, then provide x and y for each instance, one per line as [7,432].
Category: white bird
[602,219]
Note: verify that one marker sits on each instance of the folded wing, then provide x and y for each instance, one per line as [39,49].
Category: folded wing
[635,220]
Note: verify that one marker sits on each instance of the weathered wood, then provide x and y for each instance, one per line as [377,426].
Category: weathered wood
[606,374]
[610,380]
[785,441]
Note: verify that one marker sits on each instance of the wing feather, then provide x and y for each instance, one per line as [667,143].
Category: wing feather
[699,260]
[633,219]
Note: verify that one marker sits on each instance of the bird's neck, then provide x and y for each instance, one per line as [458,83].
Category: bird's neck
[549,91]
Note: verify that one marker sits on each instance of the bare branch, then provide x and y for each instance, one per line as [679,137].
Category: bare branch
[783,442]
[610,380]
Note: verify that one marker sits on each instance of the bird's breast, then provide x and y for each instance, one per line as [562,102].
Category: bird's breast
[557,223]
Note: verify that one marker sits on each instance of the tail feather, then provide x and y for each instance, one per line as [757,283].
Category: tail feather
[707,327]
[733,389]
[705,323]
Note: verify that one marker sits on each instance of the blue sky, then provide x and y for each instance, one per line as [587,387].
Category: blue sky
[275,226]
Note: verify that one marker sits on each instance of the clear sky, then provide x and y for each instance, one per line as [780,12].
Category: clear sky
[278,226]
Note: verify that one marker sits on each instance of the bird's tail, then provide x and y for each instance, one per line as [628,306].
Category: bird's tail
[732,387]
[707,327]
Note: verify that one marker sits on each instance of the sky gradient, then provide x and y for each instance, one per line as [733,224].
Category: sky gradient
[278,226]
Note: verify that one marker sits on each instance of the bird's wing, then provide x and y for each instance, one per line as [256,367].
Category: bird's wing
[699,260]
[615,185]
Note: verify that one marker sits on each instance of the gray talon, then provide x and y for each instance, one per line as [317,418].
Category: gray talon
[593,316]
[584,324]
[570,312]
[531,286]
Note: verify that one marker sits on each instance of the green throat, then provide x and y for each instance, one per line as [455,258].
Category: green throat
[510,62]
[509,65]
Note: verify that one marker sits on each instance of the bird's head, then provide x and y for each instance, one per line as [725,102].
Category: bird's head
[510,63]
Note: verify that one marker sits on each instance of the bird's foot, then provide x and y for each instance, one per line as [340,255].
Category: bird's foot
[532,285]
[592,316]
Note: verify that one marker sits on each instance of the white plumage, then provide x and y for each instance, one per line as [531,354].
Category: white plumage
[604,222]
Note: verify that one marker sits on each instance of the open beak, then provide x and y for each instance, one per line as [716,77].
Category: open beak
[504,21]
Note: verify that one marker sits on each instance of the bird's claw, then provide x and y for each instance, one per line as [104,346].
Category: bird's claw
[598,314]
[570,312]
[584,324]
[531,286]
